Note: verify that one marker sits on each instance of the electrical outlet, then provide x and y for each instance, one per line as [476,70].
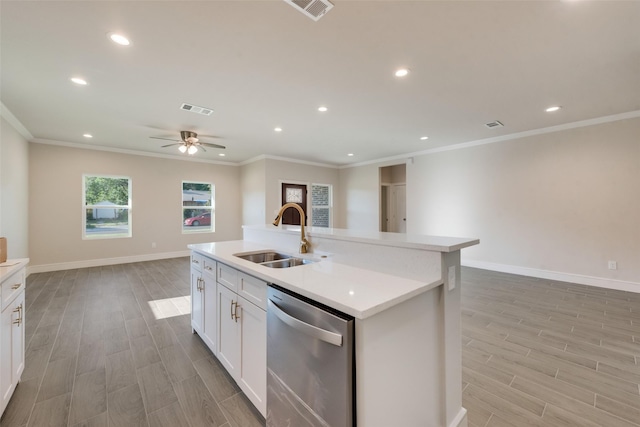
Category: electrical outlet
[452,277]
[153,244]
[613,265]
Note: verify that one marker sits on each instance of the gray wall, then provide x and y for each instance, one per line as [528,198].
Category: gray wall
[56,204]
[14,190]
[563,202]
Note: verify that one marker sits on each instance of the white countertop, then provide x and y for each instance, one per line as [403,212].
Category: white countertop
[355,291]
[401,240]
[11,266]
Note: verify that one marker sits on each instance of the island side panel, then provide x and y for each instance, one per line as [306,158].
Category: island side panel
[399,364]
[450,310]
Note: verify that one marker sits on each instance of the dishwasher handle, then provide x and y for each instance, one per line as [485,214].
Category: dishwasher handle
[312,331]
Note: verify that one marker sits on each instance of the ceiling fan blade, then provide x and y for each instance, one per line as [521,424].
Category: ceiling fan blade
[166,139]
[209,136]
[169,145]
[202,148]
[213,145]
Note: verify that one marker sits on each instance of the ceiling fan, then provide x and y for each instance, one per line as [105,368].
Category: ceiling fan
[189,142]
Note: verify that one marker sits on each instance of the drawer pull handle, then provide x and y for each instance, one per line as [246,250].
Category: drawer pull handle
[232,310]
[16,286]
[208,268]
[235,313]
[195,261]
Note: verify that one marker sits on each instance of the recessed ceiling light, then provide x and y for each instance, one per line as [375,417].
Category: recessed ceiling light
[424,138]
[402,72]
[120,39]
[553,109]
[322,109]
[79,81]
[278,129]
[221,154]
[87,135]
[350,154]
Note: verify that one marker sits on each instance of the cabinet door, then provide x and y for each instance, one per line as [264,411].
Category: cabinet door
[196,301]
[228,337]
[253,364]
[11,348]
[210,311]
[17,340]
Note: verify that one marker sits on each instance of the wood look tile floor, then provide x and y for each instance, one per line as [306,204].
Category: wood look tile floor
[112,346]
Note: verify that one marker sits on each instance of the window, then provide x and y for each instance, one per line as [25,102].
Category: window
[106,207]
[321,205]
[198,207]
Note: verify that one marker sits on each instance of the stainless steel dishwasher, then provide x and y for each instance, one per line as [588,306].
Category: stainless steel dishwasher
[310,363]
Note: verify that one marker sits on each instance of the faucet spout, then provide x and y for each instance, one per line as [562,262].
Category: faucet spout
[304,243]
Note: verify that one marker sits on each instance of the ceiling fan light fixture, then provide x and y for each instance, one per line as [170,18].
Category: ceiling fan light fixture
[183,148]
[192,149]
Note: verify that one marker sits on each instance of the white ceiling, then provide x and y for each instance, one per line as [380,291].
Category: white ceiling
[262,64]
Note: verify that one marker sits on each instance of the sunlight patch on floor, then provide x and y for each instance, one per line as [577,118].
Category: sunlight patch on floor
[170,307]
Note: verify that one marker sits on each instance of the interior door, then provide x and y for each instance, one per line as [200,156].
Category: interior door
[401,208]
[294,193]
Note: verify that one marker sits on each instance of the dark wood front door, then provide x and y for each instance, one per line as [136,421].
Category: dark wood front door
[294,193]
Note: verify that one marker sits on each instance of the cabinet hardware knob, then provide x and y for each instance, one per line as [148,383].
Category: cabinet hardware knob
[195,261]
[16,286]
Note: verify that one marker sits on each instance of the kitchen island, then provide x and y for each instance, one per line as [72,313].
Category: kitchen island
[402,290]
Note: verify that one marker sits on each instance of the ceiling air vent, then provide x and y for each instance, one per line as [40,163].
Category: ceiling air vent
[495,124]
[314,9]
[195,109]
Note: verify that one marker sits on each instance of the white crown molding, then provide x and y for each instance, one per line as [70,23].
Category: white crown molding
[600,282]
[13,121]
[130,152]
[541,131]
[286,159]
[43,268]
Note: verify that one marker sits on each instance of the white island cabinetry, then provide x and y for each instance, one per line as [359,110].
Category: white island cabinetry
[402,290]
[229,314]
[12,329]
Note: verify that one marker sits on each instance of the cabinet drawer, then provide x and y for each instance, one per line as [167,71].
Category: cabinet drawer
[196,261]
[228,277]
[209,267]
[253,290]
[11,287]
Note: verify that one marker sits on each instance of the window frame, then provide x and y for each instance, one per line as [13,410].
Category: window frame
[328,207]
[211,208]
[128,207]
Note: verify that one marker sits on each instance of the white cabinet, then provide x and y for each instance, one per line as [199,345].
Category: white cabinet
[11,332]
[197,300]
[203,299]
[228,311]
[242,333]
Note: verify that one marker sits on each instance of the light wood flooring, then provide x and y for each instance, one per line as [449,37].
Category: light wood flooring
[112,346]
[544,353]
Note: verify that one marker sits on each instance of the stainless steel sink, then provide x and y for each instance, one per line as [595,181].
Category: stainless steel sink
[274,259]
[286,263]
[261,257]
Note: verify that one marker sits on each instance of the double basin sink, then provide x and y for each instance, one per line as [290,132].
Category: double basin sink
[274,259]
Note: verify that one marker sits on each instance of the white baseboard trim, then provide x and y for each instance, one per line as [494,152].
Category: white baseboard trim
[600,282]
[43,268]
[460,420]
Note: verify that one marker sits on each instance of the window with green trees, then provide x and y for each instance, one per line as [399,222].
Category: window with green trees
[198,207]
[106,207]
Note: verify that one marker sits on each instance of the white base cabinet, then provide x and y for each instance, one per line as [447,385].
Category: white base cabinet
[11,332]
[229,313]
[203,299]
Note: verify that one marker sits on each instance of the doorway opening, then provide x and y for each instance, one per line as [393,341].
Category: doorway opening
[393,198]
